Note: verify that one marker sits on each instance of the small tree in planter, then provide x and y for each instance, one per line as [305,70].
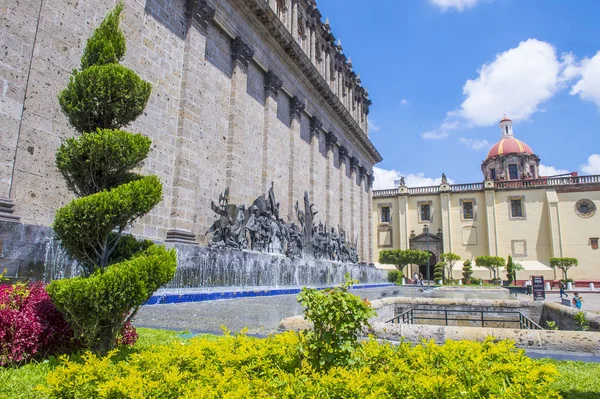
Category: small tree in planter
[403,257]
[467,271]
[438,272]
[563,264]
[492,263]
[119,272]
[449,258]
[511,270]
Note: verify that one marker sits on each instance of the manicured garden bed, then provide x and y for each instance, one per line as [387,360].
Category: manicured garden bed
[214,365]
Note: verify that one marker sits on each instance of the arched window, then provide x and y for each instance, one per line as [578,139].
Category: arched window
[506,129]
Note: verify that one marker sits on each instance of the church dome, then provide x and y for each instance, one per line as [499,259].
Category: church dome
[509,145]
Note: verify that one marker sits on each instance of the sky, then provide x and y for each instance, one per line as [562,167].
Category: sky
[442,73]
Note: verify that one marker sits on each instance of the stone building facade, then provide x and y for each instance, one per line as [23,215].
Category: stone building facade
[514,211]
[245,93]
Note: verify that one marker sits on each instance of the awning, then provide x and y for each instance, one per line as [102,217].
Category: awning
[533,266]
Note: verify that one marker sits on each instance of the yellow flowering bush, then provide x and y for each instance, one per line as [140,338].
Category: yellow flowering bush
[244,367]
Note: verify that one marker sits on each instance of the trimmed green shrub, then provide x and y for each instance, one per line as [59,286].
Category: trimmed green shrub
[438,271]
[492,263]
[98,306]
[394,276]
[107,43]
[338,318]
[475,281]
[403,257]
[104,96]
[85,224]
[244,367]
[467,271]
[564,264]
[100,160]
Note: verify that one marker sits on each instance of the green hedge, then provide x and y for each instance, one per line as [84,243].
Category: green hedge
[243,367]
[97,307]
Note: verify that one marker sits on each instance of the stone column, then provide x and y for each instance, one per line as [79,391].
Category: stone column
[189,133]
[370,218]
[554,224]
[331,141]
[327,68]
[273,84]
[313,47]
[404,224]
[315,130]
[296,110]
[446,222]
[294,20]
[344,206]
[353,200]
[363,210]
[242,178]
[490,212]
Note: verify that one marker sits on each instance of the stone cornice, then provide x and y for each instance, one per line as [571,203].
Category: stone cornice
[273,84]
[241,52]
[200,11]
[267,17]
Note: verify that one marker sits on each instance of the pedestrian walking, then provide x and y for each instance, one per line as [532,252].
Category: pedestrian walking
[421,278]
[562,286]
[416,278]
[529,287]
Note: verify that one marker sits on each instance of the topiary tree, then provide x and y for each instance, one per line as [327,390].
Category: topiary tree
[98,166]
[563,264]
[403,257]
[492,263]
[449,259]
[467,271]
[438,271]
[511,270]
[394,276]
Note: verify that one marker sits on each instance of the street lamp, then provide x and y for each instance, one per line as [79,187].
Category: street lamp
[426,231]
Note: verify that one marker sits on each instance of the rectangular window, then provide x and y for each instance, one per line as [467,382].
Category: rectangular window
[513,172]
[493,173]
[467,210]
[385,214]
[516,208]
[425,213]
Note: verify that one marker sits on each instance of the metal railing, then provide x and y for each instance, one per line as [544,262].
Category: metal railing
[412,316]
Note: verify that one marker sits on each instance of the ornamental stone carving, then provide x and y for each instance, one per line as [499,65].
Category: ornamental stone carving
[200,11]
[343,153]
[273,84]
[241,52]
[331,141]
[585,208]
[296,108]
[315,125]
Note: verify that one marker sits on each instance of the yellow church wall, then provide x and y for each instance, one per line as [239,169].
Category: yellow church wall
[413,214]
[576,233]
[526,238]
[468,238]
[377,237]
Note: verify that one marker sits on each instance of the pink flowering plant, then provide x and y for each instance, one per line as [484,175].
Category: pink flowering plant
[30,324]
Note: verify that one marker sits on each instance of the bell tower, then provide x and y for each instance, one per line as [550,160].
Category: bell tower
[506,129]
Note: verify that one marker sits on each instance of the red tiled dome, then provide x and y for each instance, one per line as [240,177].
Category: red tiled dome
[509,145]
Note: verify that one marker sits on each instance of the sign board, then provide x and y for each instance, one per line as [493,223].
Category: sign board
[539,292]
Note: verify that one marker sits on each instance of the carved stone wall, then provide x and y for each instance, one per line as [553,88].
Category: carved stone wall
[214,116]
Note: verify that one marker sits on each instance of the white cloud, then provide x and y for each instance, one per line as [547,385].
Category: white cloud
[459,5]
[588,86]
[592,167]
[384,179]
[373,127]
[516,82]
[441,132]
[404,101]
[551,171]
[475,144]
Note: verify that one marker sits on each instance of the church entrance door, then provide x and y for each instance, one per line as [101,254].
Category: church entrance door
[431,265]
